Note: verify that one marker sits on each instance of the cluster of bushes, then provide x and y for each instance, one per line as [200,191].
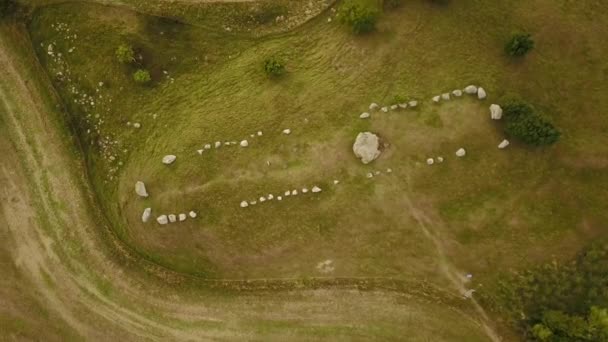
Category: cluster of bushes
[126,55]
[561,302]
[524,123]
[360,15]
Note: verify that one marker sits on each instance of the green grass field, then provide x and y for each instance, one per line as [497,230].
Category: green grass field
[490,212]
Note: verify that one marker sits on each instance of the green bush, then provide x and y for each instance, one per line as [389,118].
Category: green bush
[142,76]
[360,15]
[274,67]
[525,124]
[519,45]
[125,54]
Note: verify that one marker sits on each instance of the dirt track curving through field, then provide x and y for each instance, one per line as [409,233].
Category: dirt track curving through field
[39,184]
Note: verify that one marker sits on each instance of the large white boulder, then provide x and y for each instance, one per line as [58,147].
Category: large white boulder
[145,217]
[481,93]
[140,189]
[162,219]
[503,144]
[461,152]
[367,147]
[495,112]
[169,159]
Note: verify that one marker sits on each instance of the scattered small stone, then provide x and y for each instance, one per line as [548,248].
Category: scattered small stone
[377,173]
[471,90]
[287,131]
[169,159]
[244,204]
[270,197]
[481,93]
[259,133]
[192,214]
[287,193]
[504,144]
[461,152]
[364,115]
[253,202]
[430,161]
[495,112]
[389,170]
[207,146]
[145,217]
[172,218]
[244,143]
[140,189]
[162,219]
[182,217]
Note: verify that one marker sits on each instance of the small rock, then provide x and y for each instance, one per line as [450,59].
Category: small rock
[364,115]
[244,143]
[445,96]
[287,193]
[461,152]
[470,90]
[413,103]
[137,125]
[262,199]
[279,198]
[316,189]
[377,173]
[457,92]
[218,144]
[503,144]
[394,107]
[384,109]
[403,105]
[172,218]
[270,197]
[207,146]
[481,93]
[259,133]
[495,112]
[373,106]
[430,161]
[304,190]
[440,160]
[336,182]
[145,217]
[200,152]
[140,189]
[294,192]
[192,214]
[369,175]
[253,202]
[169,159]
[287,131]
[436,99]
[162,219]
[182,217]
[244,204]
[389,170]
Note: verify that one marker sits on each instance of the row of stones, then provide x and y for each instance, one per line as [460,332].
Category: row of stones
[315,189]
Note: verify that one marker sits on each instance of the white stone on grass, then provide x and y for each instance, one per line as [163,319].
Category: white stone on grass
[244,204]
[287,131]
[140,189]
[403,105]
[244,143]
[413,104]
[367,147]
[495,112]
[336,182]
[280,198]
[364,115]
[440,159]
[169,159]
[430,161]
[436,98]
[287,193]
[304,190]
[200,152]
[192,214]
[145,217]
[294,192]
[504,144]
[389,170]
[253,202]
[481,93]
[373,106]
[172,218]
[260,133]
[394,107]
[262,199]
[182,217]
[162,219]
[270,197]
[445,96]
[369,175]
[384,109]
[315,189]
[137,125]
[207,146]
[457,92]
[461,152]
[471,90]
[218,144]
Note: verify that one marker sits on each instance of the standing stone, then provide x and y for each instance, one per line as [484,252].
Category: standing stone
[366,147]
[394,107]
[471,90]
[145,217]
[445,96]
[430,161]
[244,204]
[481,93]
[262,199]
[207,146]
[192,214]
[287,131]
[461,152]
[260,133]
[162,219]
[457,92]
[182,217]
[316,189]
[169,159]
[403,105]
[304,190]
[364,115]
[200,152]
[294,192]
[287,193]
[244,143]
[172,218]
[503,144]
[373,106]
[495,112]
[413,104]
[218,144]
[436,98]
[384,109]
[140,189]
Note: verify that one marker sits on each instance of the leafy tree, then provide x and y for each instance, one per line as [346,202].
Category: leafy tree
[360,15]
[125,54]
[274,67]
[142,76]
[525,124]
[519,44]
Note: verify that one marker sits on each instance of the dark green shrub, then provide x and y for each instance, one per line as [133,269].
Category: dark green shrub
[525,124]
[142,76]
[125,54]
[360,15]
[519,45]
[274,67]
